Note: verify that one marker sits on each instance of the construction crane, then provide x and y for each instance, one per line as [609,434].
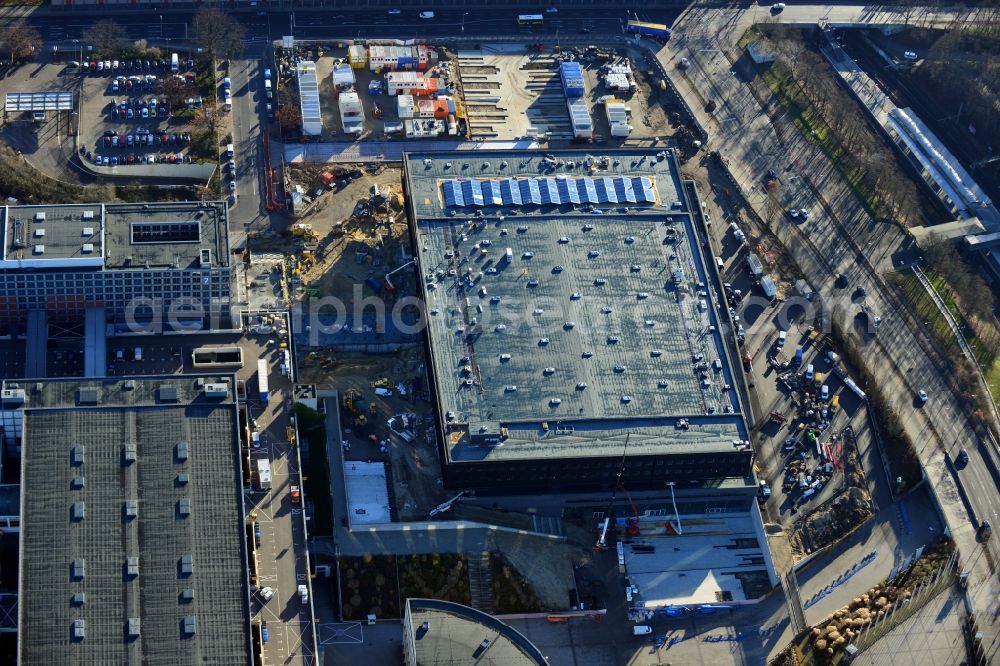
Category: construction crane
[388,283]
[602,539]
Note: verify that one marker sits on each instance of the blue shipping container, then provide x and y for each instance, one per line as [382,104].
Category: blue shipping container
[572,79]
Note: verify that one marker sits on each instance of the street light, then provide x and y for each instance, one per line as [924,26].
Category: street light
[463,21]
[677,516]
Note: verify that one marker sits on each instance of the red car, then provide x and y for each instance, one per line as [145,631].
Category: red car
[131,158]
[107,142]
[164,139]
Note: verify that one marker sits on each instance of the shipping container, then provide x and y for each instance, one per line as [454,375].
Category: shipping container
[770,289]
[572,80]
[755,265]
[579,117]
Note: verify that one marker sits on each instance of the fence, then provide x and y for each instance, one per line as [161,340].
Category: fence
[942,579]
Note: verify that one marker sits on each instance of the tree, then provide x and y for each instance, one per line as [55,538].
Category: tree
[106,36]
[21,41]
[218,33]
[289,116]
[207,120]
[176,90]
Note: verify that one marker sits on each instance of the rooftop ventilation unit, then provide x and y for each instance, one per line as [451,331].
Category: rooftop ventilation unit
[77,483]
[87,248]
[216,390]
[12,396]
[78,598]
[86,396]
[76,455]
[88,215]
[88,231]
[78,511]
[39,233]
[132,627]
[181,451]
[190,625]
[184,506]
[129,453]
[39,217]
[187,595]
[186,565]
[168,393]
[131,509]
[79,569]
[132,566]
[39,249]
[79,629]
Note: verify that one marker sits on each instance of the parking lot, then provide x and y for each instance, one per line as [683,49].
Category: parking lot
[140,112]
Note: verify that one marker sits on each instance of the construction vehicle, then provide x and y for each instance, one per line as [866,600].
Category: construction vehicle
[381,382]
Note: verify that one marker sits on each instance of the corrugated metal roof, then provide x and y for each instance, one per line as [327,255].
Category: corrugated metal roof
[39,101]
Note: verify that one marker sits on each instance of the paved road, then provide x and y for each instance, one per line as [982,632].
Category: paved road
[249,121]
[746,136]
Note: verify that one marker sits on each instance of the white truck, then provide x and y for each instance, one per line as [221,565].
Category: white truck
[264,473]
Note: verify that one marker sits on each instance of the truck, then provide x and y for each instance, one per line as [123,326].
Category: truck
[648,29]
[264,473]
[175,63]
[262,378]
[755,266]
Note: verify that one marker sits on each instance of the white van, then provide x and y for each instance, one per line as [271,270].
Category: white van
[256,439]
[720,264]
[642,630]
[229,101]
[426,15]
[230,150]
[267,88]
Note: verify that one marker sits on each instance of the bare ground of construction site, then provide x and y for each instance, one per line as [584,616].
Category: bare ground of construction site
[415,466]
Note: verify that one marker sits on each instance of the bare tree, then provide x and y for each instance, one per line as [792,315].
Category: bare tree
[289,117]
[21,41]
[106,36]
[176,90]
[206,120]
[218,33]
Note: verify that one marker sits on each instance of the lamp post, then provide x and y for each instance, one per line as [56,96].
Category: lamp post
[463,21]
[677,516]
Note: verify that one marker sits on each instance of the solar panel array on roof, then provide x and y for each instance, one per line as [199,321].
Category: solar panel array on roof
[538,191]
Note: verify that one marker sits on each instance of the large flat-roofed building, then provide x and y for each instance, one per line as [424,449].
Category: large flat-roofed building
[133,546]
[571,323]
[136,261]
[443,633]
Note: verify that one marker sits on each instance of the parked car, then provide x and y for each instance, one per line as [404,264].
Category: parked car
[910,55]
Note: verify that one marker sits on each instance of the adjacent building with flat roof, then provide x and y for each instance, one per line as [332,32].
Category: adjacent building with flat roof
[443,633]
[133,546]
[571,323]
[135,261]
